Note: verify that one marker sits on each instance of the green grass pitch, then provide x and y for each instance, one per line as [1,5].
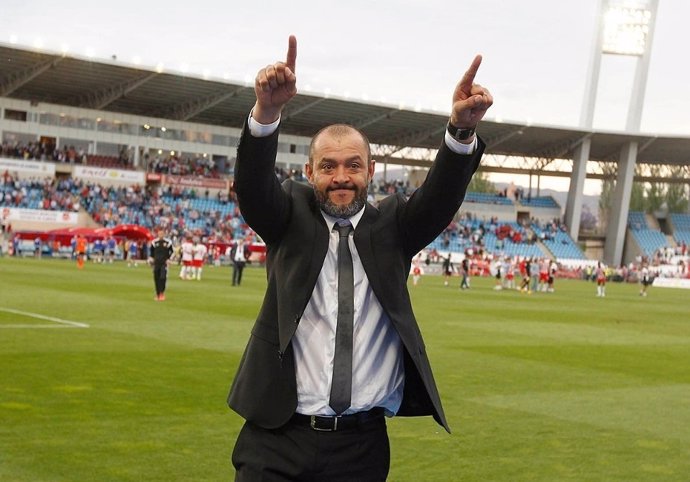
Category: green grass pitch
[547,387]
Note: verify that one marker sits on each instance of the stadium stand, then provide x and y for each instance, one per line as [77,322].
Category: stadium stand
[508,247]
[681,222]
[486,198]
[539,202]
[637,220]
[681,228]
[649,240]
[113,162]
[558,242]
[490,236]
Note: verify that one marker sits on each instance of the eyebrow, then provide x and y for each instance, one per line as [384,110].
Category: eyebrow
[348,160]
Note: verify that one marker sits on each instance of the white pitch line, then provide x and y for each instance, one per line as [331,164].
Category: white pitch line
[62,323]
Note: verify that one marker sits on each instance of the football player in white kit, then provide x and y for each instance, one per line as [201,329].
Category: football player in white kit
[187,250]
[199,256]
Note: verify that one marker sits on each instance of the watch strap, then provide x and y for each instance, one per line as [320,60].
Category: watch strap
[458,133]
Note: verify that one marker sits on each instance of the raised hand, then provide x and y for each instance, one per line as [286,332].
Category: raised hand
[275,85]
[470,100]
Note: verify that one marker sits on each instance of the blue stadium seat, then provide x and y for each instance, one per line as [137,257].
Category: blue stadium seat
[637,220]
[649,240]
[540,202]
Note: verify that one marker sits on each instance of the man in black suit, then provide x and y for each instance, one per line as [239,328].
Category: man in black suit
[337,272]
[238,254]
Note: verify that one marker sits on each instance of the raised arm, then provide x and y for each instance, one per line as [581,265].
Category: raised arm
[433,204]
[264,204]
[470,101]
[275,85]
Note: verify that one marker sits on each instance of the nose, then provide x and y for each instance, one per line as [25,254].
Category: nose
[341,176]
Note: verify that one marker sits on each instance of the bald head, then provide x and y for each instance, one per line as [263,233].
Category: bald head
[338,132]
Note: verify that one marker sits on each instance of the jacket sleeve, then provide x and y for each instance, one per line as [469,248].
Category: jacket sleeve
[263,203]
[432,206]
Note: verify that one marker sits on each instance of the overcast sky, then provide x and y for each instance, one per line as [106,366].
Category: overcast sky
[410,52]
[536,52]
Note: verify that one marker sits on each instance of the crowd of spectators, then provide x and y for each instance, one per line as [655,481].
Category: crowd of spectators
[172,164]
[666,255]
[173,207]
[295,174]
[183,166]
[395,186]
[42,151]
[548,230]
[47,194]
[471,230]
[150,207]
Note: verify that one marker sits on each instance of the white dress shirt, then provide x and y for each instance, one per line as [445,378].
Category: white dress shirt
[239,252]
[377,361]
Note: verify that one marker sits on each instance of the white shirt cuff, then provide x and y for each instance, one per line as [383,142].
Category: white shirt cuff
[458,147]
[262,130]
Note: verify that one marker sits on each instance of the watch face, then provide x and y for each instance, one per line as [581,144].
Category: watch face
[464,134]
[460,134]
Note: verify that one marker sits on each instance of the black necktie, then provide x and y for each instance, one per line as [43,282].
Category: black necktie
[341,386]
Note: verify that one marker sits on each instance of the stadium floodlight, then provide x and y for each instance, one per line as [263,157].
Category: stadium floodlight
[626,27]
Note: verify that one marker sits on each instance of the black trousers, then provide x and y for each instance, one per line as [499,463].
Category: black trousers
[237,268]
[296,452]
[160,276]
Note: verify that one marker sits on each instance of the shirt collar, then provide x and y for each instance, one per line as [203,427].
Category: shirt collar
[354,219]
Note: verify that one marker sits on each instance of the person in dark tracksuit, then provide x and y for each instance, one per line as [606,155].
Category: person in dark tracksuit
[160,251]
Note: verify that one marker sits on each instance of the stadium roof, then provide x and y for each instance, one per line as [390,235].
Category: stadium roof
[116,87]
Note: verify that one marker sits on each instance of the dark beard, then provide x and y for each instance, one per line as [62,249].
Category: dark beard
[342,212]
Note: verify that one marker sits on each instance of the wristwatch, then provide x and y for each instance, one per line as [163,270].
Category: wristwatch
[458,133]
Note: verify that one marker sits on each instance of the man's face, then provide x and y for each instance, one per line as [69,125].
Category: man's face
[340,173]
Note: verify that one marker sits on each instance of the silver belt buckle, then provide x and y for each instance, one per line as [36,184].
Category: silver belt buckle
[327,429]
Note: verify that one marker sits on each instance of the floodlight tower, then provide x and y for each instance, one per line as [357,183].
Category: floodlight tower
[625,27]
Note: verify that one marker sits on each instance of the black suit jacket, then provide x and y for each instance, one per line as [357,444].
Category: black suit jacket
[246,254]
[289,220]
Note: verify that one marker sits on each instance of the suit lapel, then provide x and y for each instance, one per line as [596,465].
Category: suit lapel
[363,242]
[314,245]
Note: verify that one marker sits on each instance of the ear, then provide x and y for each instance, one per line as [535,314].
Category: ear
[309,171]
[371,169]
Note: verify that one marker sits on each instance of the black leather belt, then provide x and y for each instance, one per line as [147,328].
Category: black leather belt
[343,422]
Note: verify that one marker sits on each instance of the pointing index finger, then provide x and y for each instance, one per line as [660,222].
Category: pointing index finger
[291,53]
[468,78]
